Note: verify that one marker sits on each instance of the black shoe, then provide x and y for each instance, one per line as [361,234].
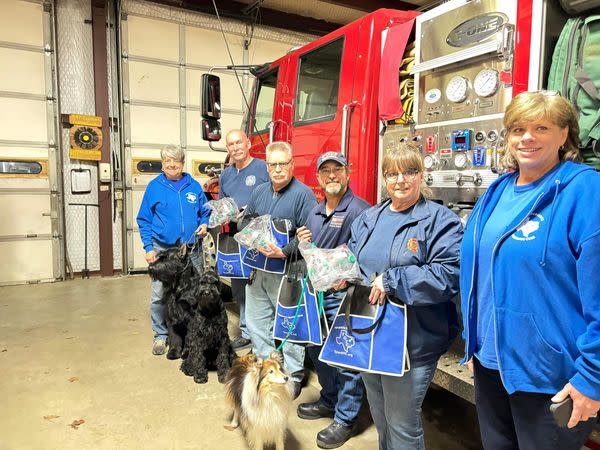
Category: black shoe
[296,389]
[334,435]
[240,343]
[314,410]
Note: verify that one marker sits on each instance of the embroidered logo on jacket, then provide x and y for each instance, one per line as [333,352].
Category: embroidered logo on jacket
[337,221]
[250,180]
[526,232]
[413,245]
[191,197]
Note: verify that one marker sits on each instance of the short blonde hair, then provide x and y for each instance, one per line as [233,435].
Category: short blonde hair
[280,146]
[531,106]
[406,156]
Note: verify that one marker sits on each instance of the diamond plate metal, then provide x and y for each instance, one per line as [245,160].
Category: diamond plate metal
[76,89]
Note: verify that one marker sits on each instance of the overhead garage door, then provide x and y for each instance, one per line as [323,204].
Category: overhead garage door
[30,242]
[164,53]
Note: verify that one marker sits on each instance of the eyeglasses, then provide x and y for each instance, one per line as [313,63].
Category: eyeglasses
[282,165]
[408,175]
[335,170]
[170,161]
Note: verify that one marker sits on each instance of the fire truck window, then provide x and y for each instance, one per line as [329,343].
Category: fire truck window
[149,166]
[318,83]
[265,102]
[20,167]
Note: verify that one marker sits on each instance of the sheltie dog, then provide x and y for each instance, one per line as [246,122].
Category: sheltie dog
[260,394]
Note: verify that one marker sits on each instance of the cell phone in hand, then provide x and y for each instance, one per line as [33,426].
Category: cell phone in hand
[562,411]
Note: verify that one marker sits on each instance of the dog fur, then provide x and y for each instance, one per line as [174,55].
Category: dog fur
[260,394]
[196,318]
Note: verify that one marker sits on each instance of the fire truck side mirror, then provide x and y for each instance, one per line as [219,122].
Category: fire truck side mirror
[211,130]
[211,96]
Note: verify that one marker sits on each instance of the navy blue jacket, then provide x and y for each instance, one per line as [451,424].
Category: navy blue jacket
[423,273]
[546,290]
[167,215]
[334,230]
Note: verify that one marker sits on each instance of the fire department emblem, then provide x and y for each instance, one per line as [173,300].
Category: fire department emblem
[412,245]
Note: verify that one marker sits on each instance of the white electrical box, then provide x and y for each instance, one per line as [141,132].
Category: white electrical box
[104,172]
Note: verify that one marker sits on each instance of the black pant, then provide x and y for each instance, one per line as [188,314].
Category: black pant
[521,420]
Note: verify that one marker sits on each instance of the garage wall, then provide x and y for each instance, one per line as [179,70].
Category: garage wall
[30,229]
[164,52]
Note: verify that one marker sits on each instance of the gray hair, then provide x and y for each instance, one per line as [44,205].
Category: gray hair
[172,151]
[279,146]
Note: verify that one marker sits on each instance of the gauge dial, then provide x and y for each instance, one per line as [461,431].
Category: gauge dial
[486,82]
[457,89]
[460,160]
[429,162]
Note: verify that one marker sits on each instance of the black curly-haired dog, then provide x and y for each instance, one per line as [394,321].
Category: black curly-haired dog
[196,318]
[207,330]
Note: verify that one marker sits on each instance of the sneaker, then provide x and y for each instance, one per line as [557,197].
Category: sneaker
[159,347]
[314,410]
[240,342]
[334,436]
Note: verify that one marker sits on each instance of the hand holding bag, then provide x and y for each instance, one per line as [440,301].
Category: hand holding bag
[367,338]
[256,260]
[298,312]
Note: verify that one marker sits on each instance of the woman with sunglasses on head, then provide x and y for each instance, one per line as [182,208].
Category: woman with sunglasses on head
[530,294]
[410,245]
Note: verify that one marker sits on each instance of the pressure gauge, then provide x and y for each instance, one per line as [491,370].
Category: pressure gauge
[460,160]
[486,82]
[457,89]
[430,162]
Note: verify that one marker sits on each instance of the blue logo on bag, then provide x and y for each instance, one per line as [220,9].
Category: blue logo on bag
[345,340]
[286,323]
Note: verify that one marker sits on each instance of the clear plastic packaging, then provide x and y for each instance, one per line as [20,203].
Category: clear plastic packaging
[329,267]
[222,211]
[257,234]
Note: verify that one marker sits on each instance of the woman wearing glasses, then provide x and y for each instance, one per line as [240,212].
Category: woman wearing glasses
[529,283]
[410,246]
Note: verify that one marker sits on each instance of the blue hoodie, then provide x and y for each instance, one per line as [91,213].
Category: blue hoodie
[545,285]
[422,273]
[167,215]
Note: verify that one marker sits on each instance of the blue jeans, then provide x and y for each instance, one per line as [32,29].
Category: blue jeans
[261,300]
[522,419]
[158,309]
[341,389]
[238,291]
[395,404]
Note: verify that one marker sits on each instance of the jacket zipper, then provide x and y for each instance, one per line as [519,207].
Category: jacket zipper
[509,232]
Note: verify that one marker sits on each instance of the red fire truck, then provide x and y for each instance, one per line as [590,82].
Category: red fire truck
[344,92]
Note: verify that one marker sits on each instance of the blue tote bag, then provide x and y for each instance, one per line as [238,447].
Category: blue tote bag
[229,257]
[256,260]
[299,314]
[367,338]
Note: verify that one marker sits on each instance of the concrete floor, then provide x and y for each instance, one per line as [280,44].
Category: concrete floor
[79,352]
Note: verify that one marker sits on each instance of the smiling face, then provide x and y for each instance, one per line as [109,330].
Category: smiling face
[403,186]
[172,168]
[535,145]
[333,178]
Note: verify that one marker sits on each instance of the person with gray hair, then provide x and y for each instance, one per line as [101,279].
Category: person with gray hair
[172,212]
[284,197]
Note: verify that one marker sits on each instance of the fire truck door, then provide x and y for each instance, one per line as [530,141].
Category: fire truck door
[319,84]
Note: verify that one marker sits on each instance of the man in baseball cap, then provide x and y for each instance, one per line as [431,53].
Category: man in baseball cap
[328,226]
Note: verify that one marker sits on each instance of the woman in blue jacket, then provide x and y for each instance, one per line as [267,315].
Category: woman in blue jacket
[411,246]
[529,283]
[172,210]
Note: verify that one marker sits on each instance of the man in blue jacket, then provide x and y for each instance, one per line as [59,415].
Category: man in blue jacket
[329,227]
[283,198]
[172,211]
[238,181]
